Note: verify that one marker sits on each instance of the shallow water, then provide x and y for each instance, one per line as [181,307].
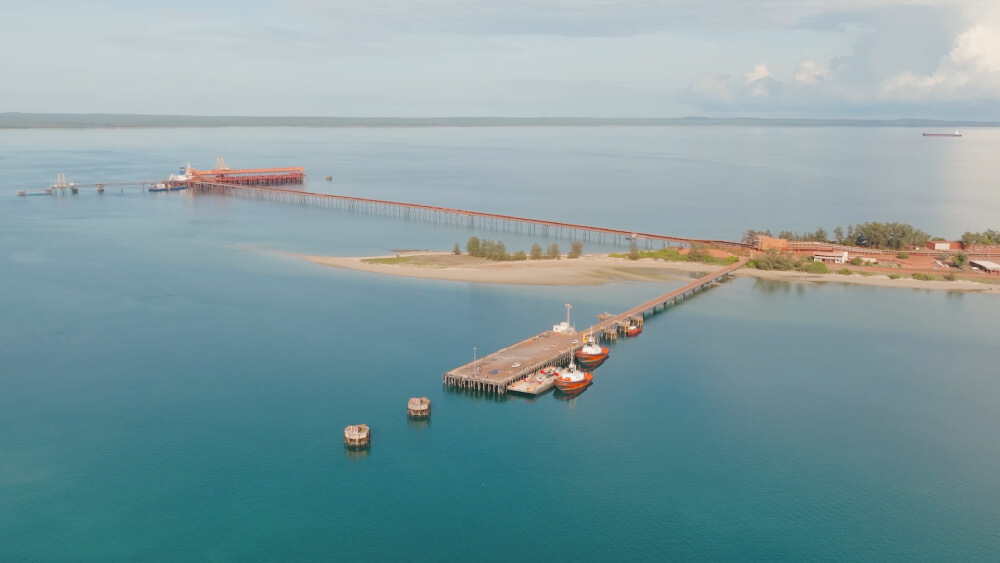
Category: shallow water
[172,389]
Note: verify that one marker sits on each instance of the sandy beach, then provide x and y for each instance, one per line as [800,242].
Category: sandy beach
[874,280]
[597,269]
[586,270]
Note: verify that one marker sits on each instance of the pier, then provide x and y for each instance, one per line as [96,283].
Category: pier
[497,372]
[63,188]
[447,214]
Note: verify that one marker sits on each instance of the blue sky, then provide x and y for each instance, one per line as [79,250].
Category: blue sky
[592,58]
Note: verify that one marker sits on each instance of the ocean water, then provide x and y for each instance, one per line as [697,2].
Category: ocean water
[174,383]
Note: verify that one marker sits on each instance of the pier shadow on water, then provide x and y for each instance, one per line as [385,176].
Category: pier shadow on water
[475,394]
[418,423]
[355,452]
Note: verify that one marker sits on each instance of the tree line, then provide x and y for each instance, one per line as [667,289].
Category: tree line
[989,236]
[890,236]
[885,236]
[497,250]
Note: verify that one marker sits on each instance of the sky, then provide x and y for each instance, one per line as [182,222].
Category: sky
[507,58]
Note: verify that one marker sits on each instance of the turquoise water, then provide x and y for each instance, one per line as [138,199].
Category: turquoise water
[174,387]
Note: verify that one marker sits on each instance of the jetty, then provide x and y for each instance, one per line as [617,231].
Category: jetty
[415,211]
[499,371]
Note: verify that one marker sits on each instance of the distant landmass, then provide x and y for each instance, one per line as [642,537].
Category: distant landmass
[13,120]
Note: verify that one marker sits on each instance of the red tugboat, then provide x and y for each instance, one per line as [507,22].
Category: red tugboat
[592,354]
[572,379]
[633,330]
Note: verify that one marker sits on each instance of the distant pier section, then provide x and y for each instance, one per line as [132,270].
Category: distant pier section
[499,371]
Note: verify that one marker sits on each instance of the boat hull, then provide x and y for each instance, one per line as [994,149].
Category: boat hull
[590,361]
[570,386]
[633,331]
[167,188]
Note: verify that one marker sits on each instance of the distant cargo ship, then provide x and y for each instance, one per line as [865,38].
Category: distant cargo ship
[955,134]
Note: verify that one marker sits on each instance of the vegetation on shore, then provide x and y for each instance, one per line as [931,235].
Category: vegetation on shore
[774,260]
[672,254]
[497,251]
[892,236]
[988,237]
[882,236]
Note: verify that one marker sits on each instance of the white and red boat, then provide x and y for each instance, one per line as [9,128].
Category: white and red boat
[572,379]
[633,330]
[592,354]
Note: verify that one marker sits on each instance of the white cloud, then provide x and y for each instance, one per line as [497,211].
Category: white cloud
[914,60]
[971,70]
[978,49]
[759,71]
[811,72]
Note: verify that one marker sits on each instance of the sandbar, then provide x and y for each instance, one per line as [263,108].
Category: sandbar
[872,280]
[589,269]
[598,269]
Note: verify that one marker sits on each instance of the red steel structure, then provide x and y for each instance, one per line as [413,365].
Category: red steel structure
[251,176]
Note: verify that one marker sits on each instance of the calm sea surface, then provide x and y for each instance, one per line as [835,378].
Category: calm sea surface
[174,385]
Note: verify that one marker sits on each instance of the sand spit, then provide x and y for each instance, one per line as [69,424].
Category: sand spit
[586,270]
[598,269]
[874,280]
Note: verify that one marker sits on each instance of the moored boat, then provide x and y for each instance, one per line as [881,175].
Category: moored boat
[955,134]
[633,330]
[572,378]
[175,182]
[592,354]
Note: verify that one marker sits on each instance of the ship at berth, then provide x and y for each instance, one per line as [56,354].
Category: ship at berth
[174,182]
[592,354]
[573,379]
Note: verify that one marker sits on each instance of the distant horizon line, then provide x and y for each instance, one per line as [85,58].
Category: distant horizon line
[22,120]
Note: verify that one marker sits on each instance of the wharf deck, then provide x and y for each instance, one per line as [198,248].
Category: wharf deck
[497,372]
[532,385]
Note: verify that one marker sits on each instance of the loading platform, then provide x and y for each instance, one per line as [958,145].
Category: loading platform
[500,371]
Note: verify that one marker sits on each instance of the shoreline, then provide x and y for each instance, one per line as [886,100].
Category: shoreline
[585,270]
[599,269]
[877,280]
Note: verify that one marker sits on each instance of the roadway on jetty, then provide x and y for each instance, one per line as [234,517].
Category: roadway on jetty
[495,372]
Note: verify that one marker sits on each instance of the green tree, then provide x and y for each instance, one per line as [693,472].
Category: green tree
[575,249]
[473,247]
[633,252]
[750,236]
[536,252]
[960,259]
[838,235]
[519,255]
[820,235]
[457,250]
[553,252]
[774,260]
[498,251]
[699,254]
